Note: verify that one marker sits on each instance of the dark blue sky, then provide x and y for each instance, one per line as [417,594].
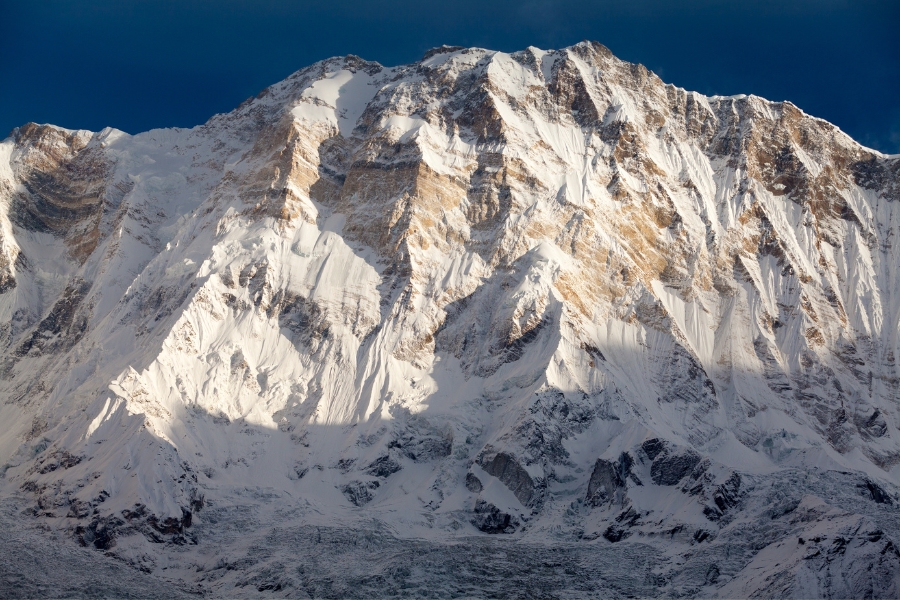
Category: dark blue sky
[139,64]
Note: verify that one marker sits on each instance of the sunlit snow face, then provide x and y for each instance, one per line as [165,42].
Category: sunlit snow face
[487,293]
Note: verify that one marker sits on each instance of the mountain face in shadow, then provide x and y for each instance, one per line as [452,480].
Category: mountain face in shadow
[497,300]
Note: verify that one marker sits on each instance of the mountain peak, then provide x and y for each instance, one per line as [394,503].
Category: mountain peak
[542,294]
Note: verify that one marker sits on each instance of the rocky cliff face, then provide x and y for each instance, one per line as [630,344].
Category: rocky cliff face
[542,294]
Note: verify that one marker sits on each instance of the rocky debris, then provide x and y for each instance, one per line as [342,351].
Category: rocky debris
[653,448]
[58,459]
[875,425]
[553,418]
[671,464]
[490,519]
[102,532]
[422,441]
[701,535]
[360,493]
[624,521]
[79,509]
[383,466]
[171,525]
[473,484]
[724,496]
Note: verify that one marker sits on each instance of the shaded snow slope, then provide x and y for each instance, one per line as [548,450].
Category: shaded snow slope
[539,294]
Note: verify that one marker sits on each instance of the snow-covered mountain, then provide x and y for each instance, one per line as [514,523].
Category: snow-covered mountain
[542,295]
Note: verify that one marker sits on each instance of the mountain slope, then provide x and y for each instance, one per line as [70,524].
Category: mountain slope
[542,294]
